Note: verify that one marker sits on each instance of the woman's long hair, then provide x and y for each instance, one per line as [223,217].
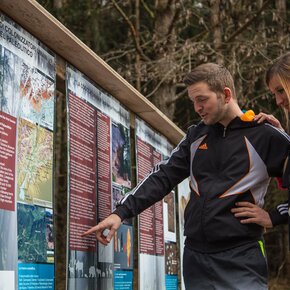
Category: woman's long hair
[281,69]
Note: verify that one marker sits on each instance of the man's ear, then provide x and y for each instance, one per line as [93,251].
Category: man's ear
[228,94]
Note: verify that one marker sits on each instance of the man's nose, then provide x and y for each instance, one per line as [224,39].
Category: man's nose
[197,108]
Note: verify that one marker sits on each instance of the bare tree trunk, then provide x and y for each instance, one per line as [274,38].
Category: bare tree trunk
[214,6]
[261,25]
[281,18]
[137,27]
[92,33]
[58,4]
[165,39]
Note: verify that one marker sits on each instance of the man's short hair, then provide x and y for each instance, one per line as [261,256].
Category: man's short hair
[216,76]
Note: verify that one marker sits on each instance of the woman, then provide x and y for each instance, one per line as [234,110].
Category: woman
[278,82]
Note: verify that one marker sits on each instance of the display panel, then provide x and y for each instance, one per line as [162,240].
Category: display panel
[99,176]
[156,225]
[27,104]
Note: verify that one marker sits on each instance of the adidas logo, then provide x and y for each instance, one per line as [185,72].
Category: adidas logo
[203,146]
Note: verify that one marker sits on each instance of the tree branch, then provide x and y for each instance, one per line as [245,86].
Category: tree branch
[159,84]
[174,18]
[149,11]
[241,29]
[132,29]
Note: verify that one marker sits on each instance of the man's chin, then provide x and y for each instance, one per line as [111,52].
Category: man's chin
[207,122]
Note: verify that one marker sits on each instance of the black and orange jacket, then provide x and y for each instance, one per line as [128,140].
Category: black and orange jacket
[225,165]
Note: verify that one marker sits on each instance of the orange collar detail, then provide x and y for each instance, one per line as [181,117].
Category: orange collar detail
[248,116]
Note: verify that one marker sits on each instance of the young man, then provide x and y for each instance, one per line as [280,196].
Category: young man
[228,160]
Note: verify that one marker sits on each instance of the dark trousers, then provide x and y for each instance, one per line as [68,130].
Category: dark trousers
[240,268]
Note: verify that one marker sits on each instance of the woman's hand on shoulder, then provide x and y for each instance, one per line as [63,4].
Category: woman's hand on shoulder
[261,117]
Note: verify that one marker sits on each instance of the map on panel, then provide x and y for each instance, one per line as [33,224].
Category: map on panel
[27,92]
[35,155]
[32,246]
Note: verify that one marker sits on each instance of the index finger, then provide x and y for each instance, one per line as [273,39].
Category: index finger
[259,115]
[260,118]
[91,230]
[244,203]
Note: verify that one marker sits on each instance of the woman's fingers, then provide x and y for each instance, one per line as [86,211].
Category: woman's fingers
[261,117]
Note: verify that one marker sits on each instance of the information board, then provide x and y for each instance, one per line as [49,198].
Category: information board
[99,176]
[156,225]
[27,104]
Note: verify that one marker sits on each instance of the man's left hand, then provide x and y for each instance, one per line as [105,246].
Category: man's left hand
[252,214]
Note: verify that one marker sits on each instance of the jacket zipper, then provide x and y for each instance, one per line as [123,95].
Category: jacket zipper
[224,133]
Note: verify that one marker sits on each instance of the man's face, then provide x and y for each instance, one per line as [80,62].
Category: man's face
[207,104]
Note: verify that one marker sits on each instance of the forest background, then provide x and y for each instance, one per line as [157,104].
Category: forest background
[154,44]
